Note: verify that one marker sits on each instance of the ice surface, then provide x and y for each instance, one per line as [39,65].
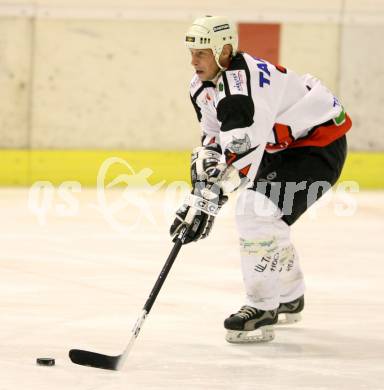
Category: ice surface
[80,282]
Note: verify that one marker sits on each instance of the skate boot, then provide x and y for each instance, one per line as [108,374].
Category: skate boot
[250,325]
[291,311]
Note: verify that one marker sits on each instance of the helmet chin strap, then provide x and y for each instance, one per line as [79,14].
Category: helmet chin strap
[221,68]
[218,74]
[217,59]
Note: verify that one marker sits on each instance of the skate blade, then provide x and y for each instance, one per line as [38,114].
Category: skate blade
[289,318]
[261,335]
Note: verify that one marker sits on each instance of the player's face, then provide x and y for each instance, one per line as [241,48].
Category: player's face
[204,63]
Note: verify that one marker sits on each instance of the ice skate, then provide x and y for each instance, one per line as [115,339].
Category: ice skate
[290,311]
[250,325]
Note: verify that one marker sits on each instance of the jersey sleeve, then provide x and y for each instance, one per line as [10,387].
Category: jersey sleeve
[202,100]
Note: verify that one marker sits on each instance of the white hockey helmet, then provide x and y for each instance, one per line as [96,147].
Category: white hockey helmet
[212,32]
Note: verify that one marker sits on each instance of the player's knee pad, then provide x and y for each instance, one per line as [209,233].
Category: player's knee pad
[257,217]
[256,204]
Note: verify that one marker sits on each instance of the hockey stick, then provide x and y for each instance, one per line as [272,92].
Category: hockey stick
[99,360]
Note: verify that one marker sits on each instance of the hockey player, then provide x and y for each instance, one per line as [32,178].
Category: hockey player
[277,137]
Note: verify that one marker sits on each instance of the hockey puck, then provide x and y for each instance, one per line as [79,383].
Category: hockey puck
[45,361]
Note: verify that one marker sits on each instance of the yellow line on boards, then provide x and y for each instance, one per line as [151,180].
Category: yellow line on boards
[23,168]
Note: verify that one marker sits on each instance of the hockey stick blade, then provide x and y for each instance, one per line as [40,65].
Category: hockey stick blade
[93,359]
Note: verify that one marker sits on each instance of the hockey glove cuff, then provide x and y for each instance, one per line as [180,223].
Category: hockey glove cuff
[204,160]
[198,212]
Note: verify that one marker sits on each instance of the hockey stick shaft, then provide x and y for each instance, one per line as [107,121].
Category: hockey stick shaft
[163,275]
[153,294]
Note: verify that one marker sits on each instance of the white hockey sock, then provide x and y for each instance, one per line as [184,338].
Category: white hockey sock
[271,271]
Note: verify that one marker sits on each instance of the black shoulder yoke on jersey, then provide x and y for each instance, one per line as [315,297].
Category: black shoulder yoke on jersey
[236,110]
[238,62]
[206,84]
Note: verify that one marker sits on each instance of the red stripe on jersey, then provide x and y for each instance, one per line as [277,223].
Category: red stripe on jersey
[321,135]
[283,137]
[244,171]
[324,135]
[281,68]
[283,134]
[230,157]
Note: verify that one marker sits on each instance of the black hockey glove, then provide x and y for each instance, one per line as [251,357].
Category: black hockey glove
[199,211]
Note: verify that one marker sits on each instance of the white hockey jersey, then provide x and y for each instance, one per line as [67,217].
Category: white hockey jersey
[256,106]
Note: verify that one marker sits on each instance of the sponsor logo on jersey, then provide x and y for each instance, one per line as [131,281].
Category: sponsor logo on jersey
[221,27]
[240,145]
[237,82]
[207,98]
[195,85]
